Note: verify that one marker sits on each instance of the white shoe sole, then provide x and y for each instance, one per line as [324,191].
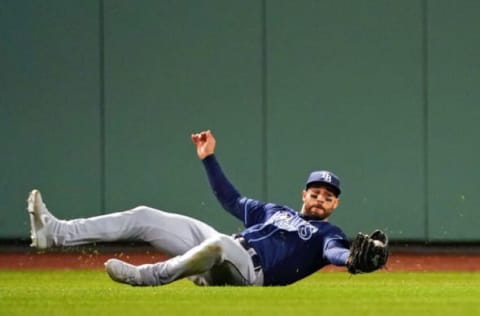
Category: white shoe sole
[38,241]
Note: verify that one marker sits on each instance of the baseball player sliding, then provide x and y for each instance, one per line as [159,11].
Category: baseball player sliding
[279,245]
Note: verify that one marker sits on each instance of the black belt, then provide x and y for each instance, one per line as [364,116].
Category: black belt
[251,251]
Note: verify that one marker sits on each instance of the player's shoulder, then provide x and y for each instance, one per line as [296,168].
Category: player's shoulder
[266,205]
[268,209]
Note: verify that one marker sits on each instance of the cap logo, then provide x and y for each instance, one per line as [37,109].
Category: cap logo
[327,176]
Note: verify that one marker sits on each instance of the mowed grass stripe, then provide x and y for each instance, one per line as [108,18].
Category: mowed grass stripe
[78,292]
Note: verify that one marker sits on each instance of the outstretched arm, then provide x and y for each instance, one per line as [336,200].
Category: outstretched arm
[336,252]
[224,191]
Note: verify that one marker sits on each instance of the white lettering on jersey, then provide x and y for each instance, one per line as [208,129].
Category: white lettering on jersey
[288,222]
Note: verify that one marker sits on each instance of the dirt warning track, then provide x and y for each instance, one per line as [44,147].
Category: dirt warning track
[402,261]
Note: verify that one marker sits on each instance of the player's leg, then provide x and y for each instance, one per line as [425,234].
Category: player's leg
[170,233]
[219,260]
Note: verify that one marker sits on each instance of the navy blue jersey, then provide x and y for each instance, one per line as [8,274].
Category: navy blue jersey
[289,245]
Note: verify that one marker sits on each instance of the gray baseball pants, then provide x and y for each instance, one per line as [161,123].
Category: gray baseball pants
[197,250]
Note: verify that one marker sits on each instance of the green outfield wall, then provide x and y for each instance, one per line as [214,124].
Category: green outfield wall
[98,100]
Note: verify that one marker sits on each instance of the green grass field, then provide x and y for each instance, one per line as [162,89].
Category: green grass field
[78,292]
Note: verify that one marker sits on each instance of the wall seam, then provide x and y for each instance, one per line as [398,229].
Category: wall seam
[425,71]
[101,52]
[264,101]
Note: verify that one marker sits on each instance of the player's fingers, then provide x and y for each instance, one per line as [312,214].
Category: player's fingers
[203,136]
[195,138]
[209,135]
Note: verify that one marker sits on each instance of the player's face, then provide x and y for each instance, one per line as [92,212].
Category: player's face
[318,202]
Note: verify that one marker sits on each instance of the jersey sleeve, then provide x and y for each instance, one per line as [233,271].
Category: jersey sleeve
[247,210]
[336,249]
[222,188]
[253,211]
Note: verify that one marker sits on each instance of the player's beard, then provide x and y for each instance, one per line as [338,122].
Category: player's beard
[316,212]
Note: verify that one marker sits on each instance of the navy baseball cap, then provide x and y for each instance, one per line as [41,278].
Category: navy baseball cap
[325,177]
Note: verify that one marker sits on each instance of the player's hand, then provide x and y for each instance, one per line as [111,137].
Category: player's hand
[205,143]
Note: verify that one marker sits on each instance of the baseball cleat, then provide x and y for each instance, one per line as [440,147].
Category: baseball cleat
[39,218]
[123,272]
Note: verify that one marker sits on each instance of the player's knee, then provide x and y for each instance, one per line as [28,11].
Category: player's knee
[141,208]
[214,243]
[214,246]
[144,213]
